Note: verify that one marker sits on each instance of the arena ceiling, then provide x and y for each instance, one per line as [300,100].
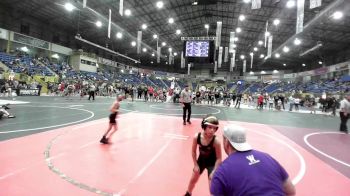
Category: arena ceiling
[320,28]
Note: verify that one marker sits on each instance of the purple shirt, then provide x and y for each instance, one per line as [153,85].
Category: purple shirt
[249,173]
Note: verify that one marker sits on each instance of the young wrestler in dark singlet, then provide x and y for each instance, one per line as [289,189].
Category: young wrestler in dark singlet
[112,120]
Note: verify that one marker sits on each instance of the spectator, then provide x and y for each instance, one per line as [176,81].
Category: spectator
[246,171]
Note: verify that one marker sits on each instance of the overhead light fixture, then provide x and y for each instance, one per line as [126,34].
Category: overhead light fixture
[160,4]
[178,32]
[55,56]
[133,43]
[338,15]
[262,56]
[255,49]
[275,71]
[297,42]
[285,49]
[25,49]
[234,46]
[98,24]
[320,62]
[238,30]
[122,71]
[144,26]
[241,17]
[171,20]
[69,7]
[236,39]
[242,56]
[206,26]
[195,3]
[251,54]
[151,62]
[303,65]
[246,1]
[163,44]
[175,53]
[251,73]
[267,33]
[119,35]
[127,12]
[276,22]
[263,72]
[153,54]
[144,49]
[284,64]
[260,42]
[290,3]
[277,55]
[155,36]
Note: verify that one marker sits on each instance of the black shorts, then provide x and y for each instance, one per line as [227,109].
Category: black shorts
[112,118]
[206,163]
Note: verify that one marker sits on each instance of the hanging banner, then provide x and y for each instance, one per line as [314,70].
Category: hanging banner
[315,3]
[300,16]
[188,68]
[233,61]
[226,55]
[218,34]
[267,25]
[244,65]
[251,61]
[232,42]
[220,56]
[158,54]
[109,23]
[269,48]
[256,4]
[182,60]
[121,7]
[138,44]
[84,3]
[216,67]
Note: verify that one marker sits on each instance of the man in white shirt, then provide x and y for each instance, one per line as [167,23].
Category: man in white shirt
[344,113]
[186,99]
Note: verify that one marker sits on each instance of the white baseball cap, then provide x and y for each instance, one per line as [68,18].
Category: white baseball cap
[236,135]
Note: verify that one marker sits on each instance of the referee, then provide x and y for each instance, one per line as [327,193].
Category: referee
[186,99]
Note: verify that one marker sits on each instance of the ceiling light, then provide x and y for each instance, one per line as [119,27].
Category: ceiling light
[263,72]
[320,62]
[262,56]
[25,49]
[119,35]
[242,56]
[338,15]
[144,26]
[297,41]
[175,53]
[98,24]
[255,49]
[241,17]
[236,39]
[290,3]
[267,33]
[284,64]
[251,54]
[277,55]
[303,65]
[238,30]
[55,56]
[246,1]
[163,44]
[127,12]
[275,71]
[260,42]
[155,36]
[151,62]
[144,49]
[234,46]
[178,32]
[153,54]
[69,7]
[171,20]
[170,49]
[206,26]
[133,43]
[160,4]
[195,3]
[251,73]
[276,22]
[285,49]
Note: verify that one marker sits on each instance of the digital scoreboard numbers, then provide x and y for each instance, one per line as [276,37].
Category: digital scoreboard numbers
[197,48]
